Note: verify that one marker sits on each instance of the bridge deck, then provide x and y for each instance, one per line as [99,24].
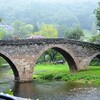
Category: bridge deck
[48,41]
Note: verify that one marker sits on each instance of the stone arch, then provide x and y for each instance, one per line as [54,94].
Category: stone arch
[68,55]
[68,58]
[93,56]
[13,67]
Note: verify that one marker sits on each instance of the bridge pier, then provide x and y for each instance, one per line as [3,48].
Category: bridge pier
[24,65]
[83,62]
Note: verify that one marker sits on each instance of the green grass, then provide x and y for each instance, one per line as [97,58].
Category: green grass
[52,68]
[61,72]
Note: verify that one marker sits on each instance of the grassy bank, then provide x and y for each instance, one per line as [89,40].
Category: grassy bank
[61,72]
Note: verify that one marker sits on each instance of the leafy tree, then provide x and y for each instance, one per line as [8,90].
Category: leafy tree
[36,27]
[2,33]
[48,31]
[54,55]
[93,28]
[27,30]
[18,26]
[8,35]
[22,30]
[95,39]
[50,56]
[97,12]
[74,33]
[63,31]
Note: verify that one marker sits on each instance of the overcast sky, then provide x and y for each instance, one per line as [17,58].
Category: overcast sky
[45,1]
[67,1]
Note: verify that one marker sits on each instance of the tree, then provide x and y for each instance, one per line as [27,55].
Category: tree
[18,26]
[36,27]
[50,56]
[22,30]
[2,33]
[48,31]
[97,12]
[62,31]
[74,33]
[95,39]
[93,28]
[27,30]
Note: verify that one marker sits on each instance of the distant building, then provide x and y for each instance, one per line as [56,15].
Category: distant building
[35,37]
[7,28]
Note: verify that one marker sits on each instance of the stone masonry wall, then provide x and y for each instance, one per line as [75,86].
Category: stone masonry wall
[25,53]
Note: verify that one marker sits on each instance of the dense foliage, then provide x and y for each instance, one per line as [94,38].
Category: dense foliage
[68,14]
[49,19]
[74,33]
[22,30]
[96,38]
[50,56]
[47,31]
[97,12]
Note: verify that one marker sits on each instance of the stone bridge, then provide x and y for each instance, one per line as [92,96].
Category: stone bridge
[22,55]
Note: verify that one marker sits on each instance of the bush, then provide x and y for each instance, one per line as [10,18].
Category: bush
[59,76]
[47,76]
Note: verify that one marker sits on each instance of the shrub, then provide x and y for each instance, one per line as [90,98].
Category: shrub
[47,76]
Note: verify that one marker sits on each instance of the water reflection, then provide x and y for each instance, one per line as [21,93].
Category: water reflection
[50,90]
[23,90]
[57,90]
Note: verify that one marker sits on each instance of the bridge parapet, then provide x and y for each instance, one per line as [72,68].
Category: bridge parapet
[49,41]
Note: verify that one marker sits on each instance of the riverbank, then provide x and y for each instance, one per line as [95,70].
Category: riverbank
[61,72]
[55,82]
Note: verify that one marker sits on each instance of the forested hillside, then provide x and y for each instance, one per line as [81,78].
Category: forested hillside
[69,14]
[62,14]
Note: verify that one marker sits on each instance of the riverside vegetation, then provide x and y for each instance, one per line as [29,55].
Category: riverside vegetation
[62,73]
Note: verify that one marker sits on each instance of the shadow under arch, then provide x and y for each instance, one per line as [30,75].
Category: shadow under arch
[97,55]
[13,67]
[68,57]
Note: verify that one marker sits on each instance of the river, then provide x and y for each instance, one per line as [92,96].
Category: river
[49,90]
